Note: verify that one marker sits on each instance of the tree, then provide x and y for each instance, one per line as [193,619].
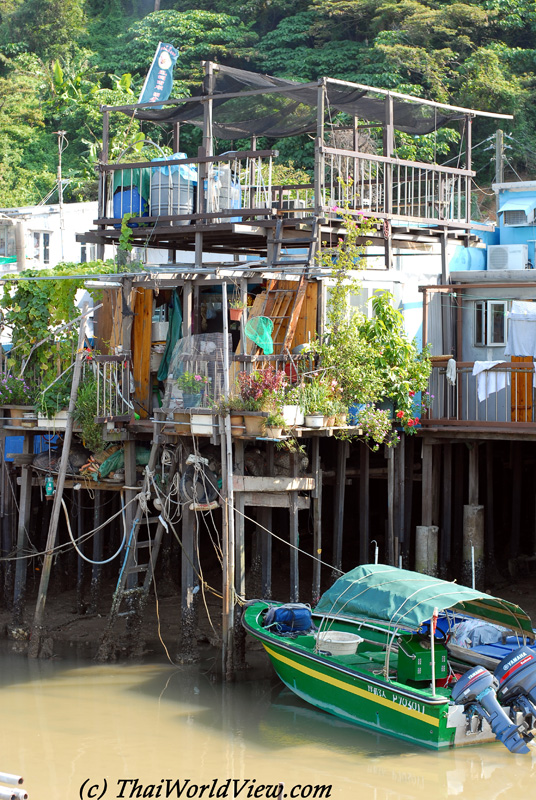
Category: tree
[49,28]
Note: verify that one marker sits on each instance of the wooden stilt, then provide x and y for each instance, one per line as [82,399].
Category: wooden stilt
[129,452]
[427,511]
[317,519]
[294,537]
[338,507]
[264,517]
[96,570]
[240,552]
[25,500]
[408,501]
[473,474]
[458,504]
[517,473]
[446,515]
[390,544]
[489,529]
[35,640]
[7,533]
[364,514]
[187,642]
[80,606]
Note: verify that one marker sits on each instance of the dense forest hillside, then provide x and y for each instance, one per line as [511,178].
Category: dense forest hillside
[61,59]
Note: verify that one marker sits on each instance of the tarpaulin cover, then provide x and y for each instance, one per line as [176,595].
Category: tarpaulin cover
[293,112]
[405,598]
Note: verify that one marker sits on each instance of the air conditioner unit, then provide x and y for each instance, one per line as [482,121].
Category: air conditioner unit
[518,217]
[508,256]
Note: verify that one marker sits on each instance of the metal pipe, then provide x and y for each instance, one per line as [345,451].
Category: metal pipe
[10,779]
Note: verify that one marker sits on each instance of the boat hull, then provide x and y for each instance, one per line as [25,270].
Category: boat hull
[364,698]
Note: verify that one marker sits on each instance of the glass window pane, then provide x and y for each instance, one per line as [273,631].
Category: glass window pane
[36,241]
[497,320]
[46,248]
[479,323]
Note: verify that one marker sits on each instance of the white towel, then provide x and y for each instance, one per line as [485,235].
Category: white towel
[488,382]
[451,372]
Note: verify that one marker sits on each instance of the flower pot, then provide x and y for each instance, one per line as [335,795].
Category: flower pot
[29,419]
[16,412]
[191,399]
[329,421]
[235,314]
[254,425]
[58,422]
[202,424]
[182,422]
[314,420]
[237,424]
[273,433]
[293,415]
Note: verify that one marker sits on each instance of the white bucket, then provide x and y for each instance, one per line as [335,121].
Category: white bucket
[339,643]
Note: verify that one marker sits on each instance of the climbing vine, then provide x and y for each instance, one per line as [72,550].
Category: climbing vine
[37,311]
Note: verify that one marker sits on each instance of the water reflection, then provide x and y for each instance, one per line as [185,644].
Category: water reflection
[65,723]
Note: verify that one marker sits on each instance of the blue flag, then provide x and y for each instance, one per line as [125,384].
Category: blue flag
[159,81]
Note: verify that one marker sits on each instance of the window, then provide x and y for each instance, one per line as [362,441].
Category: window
[490,323]
[88,252]
[41,247]
[7,241]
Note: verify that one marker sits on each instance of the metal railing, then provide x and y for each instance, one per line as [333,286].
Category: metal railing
[223,188]
[114,385]
[503,394]
[382,186]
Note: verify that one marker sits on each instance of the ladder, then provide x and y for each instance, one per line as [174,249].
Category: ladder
[137,571]
[283,306]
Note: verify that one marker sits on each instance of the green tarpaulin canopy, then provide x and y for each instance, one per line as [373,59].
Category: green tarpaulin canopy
[8,259]
[404,598]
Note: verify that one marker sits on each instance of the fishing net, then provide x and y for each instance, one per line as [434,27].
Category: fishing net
[259,330]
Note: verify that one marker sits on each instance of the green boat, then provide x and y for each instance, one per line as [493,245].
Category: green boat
[371,658]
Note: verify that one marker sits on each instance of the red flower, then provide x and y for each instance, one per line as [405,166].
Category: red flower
[410,422]
[411,394]
[416,421]
[399,414]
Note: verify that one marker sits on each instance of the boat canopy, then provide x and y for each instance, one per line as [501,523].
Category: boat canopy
[404,598]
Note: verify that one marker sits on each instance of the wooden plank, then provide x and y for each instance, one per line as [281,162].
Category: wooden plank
[306,325]
[282,483]
[141,351]
[272,499]
[105,322]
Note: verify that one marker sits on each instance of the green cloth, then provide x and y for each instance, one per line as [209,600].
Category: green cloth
[402,597]
[117,461]
[125,178]
[8,259]
[173,336]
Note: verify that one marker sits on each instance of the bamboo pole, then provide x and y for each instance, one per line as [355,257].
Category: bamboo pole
[35,639]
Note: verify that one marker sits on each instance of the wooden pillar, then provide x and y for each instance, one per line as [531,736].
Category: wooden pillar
[489,507]
[473,474]
[25,500]
[408,502]
[294,537]
[129,451]
[8,534]
[187,307]
[390,544]
[189,584]
[319,144]
[240,553]
[338,507]
[264,518]
[364,495]
[399,455]
[96,570]
[388,151]
[459,466]
[80,561]
[517,474]
[446,513]
[317,518]
[427,469]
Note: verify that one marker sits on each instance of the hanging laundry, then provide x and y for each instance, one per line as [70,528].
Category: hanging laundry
[451,372]
[489,381]
[521,329]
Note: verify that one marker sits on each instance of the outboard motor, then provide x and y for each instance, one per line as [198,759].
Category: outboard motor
[516,674]
[476,688]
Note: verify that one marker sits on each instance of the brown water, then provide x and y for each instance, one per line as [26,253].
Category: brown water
[67,725]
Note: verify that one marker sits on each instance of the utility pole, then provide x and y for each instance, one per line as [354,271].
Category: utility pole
[499,156]
[62,145]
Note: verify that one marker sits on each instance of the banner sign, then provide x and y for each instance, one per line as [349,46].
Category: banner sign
[159,81]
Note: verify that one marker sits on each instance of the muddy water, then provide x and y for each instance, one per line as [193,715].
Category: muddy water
[76,730]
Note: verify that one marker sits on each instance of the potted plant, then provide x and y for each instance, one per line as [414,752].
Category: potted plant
[274,424]
[261,391]
[236,307]
[16,396]
[319,398]
[193,387]
[85,412]
[52,403]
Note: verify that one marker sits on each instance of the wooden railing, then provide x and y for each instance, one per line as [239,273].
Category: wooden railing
[504,394]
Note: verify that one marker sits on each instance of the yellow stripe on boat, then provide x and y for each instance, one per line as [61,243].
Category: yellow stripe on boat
[382,701]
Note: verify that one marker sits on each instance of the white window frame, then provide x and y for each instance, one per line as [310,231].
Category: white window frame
[38,244]
[484,336]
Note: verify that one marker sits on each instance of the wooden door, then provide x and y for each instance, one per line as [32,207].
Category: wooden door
[521,391]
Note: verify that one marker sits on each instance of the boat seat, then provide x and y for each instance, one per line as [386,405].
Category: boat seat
[378,657]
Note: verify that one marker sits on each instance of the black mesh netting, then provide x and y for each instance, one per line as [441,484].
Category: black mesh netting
[280,114]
